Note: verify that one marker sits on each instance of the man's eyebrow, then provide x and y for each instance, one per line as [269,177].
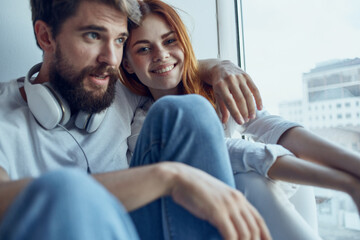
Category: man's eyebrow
[99,29]
[146,41]
[92,28]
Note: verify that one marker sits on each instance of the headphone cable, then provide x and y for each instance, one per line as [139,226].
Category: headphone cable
[82,150]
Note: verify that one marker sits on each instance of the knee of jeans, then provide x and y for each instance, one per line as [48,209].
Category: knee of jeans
[66,185]
[185,105]
[189,102]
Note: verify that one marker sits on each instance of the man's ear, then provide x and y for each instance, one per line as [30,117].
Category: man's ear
[127,66]
[44,36]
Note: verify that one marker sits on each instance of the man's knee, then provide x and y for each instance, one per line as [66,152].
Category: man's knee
[67,186]
[70,200]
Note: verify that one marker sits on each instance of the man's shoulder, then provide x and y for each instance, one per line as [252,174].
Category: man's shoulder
[125,96]
[10,90]
[7,86]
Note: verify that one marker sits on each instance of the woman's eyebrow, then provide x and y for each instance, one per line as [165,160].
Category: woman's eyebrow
[143,41]
[167,34]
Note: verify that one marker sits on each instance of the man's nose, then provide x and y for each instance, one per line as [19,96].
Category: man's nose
[110,55]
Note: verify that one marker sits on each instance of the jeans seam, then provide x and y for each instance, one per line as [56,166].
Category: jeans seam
[148,149]
[167,219]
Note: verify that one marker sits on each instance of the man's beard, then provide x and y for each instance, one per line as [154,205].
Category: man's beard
[70,85]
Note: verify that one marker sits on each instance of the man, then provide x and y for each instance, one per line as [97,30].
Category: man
[75,114]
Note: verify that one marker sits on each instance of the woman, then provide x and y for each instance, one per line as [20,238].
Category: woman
[159,61]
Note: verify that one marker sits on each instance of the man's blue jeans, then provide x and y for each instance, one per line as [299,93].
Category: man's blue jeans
[67,204]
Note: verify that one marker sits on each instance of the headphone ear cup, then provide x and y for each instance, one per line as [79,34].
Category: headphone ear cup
[48,108]
[89,122]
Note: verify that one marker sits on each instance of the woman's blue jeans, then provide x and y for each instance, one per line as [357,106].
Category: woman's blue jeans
[182,129]
[68,204]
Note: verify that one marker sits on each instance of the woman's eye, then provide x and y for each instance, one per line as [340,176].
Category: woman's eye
[143,50]
[171,41]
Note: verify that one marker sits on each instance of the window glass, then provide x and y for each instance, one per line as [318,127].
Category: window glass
[304,55]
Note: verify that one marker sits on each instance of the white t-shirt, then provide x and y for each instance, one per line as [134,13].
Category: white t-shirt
[28,150]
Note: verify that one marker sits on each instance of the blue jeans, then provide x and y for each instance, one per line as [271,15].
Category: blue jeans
[68,204]
[182,129]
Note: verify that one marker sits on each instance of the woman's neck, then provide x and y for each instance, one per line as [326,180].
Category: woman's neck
[158,93]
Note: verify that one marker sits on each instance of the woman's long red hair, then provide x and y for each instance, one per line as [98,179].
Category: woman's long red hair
[191,82]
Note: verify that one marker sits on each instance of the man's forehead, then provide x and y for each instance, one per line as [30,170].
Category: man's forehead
[95,13]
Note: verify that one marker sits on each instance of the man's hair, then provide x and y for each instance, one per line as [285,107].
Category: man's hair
[56,12]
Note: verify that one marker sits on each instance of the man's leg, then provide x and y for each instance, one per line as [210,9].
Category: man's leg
[66,204]
[183,129]
[281,217]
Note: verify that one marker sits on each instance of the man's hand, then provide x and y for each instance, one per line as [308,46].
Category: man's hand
[212,200]
[234,90]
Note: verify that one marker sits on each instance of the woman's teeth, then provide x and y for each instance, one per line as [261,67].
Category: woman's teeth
[163,70]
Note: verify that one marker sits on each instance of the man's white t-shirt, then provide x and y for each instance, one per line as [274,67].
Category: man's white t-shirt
[28,150]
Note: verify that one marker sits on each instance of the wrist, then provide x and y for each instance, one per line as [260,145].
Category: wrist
[169,175]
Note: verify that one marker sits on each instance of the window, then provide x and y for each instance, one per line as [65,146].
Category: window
[294,55]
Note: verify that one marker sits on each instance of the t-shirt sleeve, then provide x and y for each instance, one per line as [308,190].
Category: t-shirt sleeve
[267,128]
[246,156]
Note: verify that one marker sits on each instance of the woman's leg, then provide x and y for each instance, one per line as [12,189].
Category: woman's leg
[281,217]
[183,129]
[66,204]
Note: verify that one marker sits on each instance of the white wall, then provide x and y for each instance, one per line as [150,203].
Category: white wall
[200,18]
[17,43]
[19,51]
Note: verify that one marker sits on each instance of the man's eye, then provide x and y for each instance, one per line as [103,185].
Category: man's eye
[121,40]
[92,35]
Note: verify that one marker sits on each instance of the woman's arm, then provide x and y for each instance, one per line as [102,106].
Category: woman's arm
[292,169]
[336,166]
[309,146]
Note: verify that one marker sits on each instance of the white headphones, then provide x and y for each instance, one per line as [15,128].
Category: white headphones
[50,109]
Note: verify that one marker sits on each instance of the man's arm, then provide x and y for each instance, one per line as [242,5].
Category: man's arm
[9,190]
[202,195]
[234,89]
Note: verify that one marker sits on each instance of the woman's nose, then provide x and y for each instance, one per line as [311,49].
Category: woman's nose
[160,54]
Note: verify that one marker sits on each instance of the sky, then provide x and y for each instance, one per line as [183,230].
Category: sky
[286,38]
